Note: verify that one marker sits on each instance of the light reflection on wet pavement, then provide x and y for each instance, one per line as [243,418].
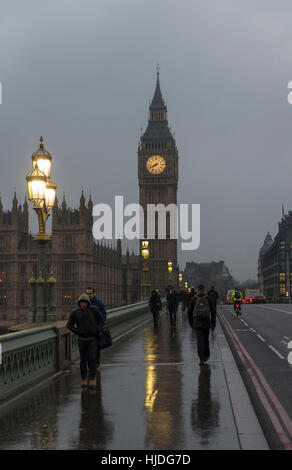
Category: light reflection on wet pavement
[151,394]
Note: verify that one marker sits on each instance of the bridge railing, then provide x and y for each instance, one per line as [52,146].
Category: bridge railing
[33,354]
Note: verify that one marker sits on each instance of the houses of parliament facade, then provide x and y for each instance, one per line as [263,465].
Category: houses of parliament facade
[74,258]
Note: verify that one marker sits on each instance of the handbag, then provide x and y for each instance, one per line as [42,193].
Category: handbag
[104,339]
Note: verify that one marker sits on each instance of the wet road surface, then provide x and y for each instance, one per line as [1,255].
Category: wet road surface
[265,332]
[151,394]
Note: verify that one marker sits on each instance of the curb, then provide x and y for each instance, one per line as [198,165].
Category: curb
[250,433]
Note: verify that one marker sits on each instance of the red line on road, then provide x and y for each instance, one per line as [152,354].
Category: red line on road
[247,360]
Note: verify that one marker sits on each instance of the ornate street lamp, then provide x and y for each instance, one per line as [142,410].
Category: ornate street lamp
[186,285]
[169,264]
[42,192]
[180,278]
[145,285]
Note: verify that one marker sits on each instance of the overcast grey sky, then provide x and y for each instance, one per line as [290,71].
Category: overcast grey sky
[82,73]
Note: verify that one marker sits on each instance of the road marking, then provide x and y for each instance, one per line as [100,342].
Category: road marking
[261,338]
[252,329]
[284,342]
[277,309]
[286,337]
[276,352]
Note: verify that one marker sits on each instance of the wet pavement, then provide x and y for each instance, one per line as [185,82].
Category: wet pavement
[151,394]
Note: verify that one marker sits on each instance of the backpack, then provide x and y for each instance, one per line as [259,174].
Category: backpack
[202,309]
[237,295]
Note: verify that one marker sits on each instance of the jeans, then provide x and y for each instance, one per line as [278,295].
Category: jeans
[203,343]
[183,306]
[155,317]
[172,316]
[89,354]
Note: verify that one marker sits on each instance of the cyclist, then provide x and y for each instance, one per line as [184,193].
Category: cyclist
[237,298]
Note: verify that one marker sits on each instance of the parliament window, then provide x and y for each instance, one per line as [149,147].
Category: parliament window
[68,298]
[68,242]
[22,297]
[67,271]
[22,269]
[3,298]
[2,243]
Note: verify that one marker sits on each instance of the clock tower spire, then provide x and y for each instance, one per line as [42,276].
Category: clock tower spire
[158,179]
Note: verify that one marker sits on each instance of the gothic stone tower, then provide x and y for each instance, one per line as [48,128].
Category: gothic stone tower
[158,178]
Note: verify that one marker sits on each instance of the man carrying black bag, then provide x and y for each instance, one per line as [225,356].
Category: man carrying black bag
[86,321]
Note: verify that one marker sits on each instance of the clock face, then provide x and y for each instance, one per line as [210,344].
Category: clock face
[155,164]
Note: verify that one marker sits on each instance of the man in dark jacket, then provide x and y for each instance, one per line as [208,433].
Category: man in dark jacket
[202,317]
[155,306]
[190,294]
[213,294]
[95,301]
[183,299]
[172,305]
[86,321]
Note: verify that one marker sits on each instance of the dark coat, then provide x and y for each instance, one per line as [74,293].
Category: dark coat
[85,323]
[172,301]
[214,296]
[183,296]
[98,303]
[155,304]
[195,322]
[190,295]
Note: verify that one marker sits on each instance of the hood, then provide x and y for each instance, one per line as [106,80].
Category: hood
[83,297]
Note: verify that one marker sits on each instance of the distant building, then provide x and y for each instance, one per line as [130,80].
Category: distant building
[266,246]
[74,257]
[275,262]
[209,274]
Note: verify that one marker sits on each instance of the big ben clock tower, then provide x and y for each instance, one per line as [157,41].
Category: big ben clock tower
[158,178]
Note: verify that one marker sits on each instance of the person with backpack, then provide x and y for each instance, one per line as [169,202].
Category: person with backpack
[237,298]
[202,317]
[86,322]
[155,306]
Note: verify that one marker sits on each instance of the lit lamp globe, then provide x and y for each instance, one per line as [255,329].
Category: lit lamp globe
[42,159]
[50,194]
[144,250]
[36,185]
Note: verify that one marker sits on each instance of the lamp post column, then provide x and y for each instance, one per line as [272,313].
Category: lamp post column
[52,314]
[42,192]
[32,307]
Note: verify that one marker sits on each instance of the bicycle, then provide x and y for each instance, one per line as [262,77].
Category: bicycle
[237,309]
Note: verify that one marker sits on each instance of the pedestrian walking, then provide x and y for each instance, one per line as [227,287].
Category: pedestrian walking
[172,305]
[99,304]
[183,299]
[202,318]
[86,322]
[95,301]
[155,306]
[190,294]
[214,296]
